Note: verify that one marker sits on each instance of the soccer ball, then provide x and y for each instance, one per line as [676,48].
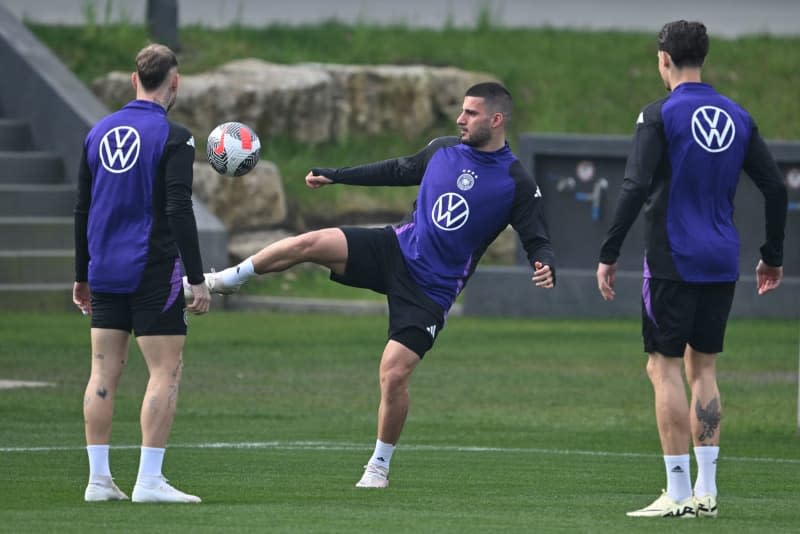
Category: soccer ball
[233,149]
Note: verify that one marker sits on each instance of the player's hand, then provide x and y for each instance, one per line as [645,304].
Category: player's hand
[767,277]
[201,299]
[315,181]
[82,297]
[542,275]
[606,276]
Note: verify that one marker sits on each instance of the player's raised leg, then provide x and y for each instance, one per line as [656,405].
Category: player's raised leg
[397,364]
[326,247]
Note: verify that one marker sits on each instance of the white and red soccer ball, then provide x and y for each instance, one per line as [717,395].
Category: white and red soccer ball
[233,149]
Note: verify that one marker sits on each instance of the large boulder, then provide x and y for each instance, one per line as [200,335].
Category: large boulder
[245,244]
[311,102]
[243,203]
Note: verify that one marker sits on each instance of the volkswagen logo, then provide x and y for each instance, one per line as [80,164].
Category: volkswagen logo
[119,149]
[450,212]
[713,128]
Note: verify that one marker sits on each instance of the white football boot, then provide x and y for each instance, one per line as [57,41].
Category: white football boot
[664,506]
[158,489]
[103,489]
[374,476]
[705,506]
[214,283]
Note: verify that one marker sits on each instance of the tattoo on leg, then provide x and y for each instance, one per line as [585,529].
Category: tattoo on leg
[173,388]
[102,392]
[710,417]
[100,356]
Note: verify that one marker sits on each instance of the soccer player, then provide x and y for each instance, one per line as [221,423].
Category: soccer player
[688,151]
[133,225]
[471,188]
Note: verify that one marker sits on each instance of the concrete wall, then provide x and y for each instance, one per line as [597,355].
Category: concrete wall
[509,292]
[580,177]
[38,88]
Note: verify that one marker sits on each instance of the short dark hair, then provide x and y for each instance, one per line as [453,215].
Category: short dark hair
[153,63]
[497,97]
[685,42]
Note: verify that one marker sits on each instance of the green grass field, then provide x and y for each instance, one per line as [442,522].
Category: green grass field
[515,426]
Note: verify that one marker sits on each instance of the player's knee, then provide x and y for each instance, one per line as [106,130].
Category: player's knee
[306,245]
[394,378]
[652,369]
[700,367]
[661,368]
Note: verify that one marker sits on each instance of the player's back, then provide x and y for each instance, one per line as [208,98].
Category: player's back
[123,153]
[707,136]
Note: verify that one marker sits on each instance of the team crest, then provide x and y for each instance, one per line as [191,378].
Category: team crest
[466,180]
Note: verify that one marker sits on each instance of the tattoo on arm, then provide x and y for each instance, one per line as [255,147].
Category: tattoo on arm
[709,417]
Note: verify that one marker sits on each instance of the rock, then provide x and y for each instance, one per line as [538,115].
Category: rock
[503,251]
[275,100]
[244,244]
[253,201]
[311,102]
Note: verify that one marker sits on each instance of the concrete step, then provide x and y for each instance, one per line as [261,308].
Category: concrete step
[14,135]
[55,297]
[30,233]
[37,199]
[32,166]
[37,266]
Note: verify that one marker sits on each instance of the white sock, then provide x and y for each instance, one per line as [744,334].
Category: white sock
[240,273]
[679,480]
[706,483]
[150,463]
[382,454]
[98,461]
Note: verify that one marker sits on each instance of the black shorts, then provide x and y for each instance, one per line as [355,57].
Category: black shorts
[156,308]
[676,313]
[374,261]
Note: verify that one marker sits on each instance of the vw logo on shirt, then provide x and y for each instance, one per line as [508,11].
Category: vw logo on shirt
[119,149]
[450,212]
[712,128]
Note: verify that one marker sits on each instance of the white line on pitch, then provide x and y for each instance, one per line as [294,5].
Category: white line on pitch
[343,446]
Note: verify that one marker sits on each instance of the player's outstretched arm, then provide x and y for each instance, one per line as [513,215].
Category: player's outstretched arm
[315,181]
